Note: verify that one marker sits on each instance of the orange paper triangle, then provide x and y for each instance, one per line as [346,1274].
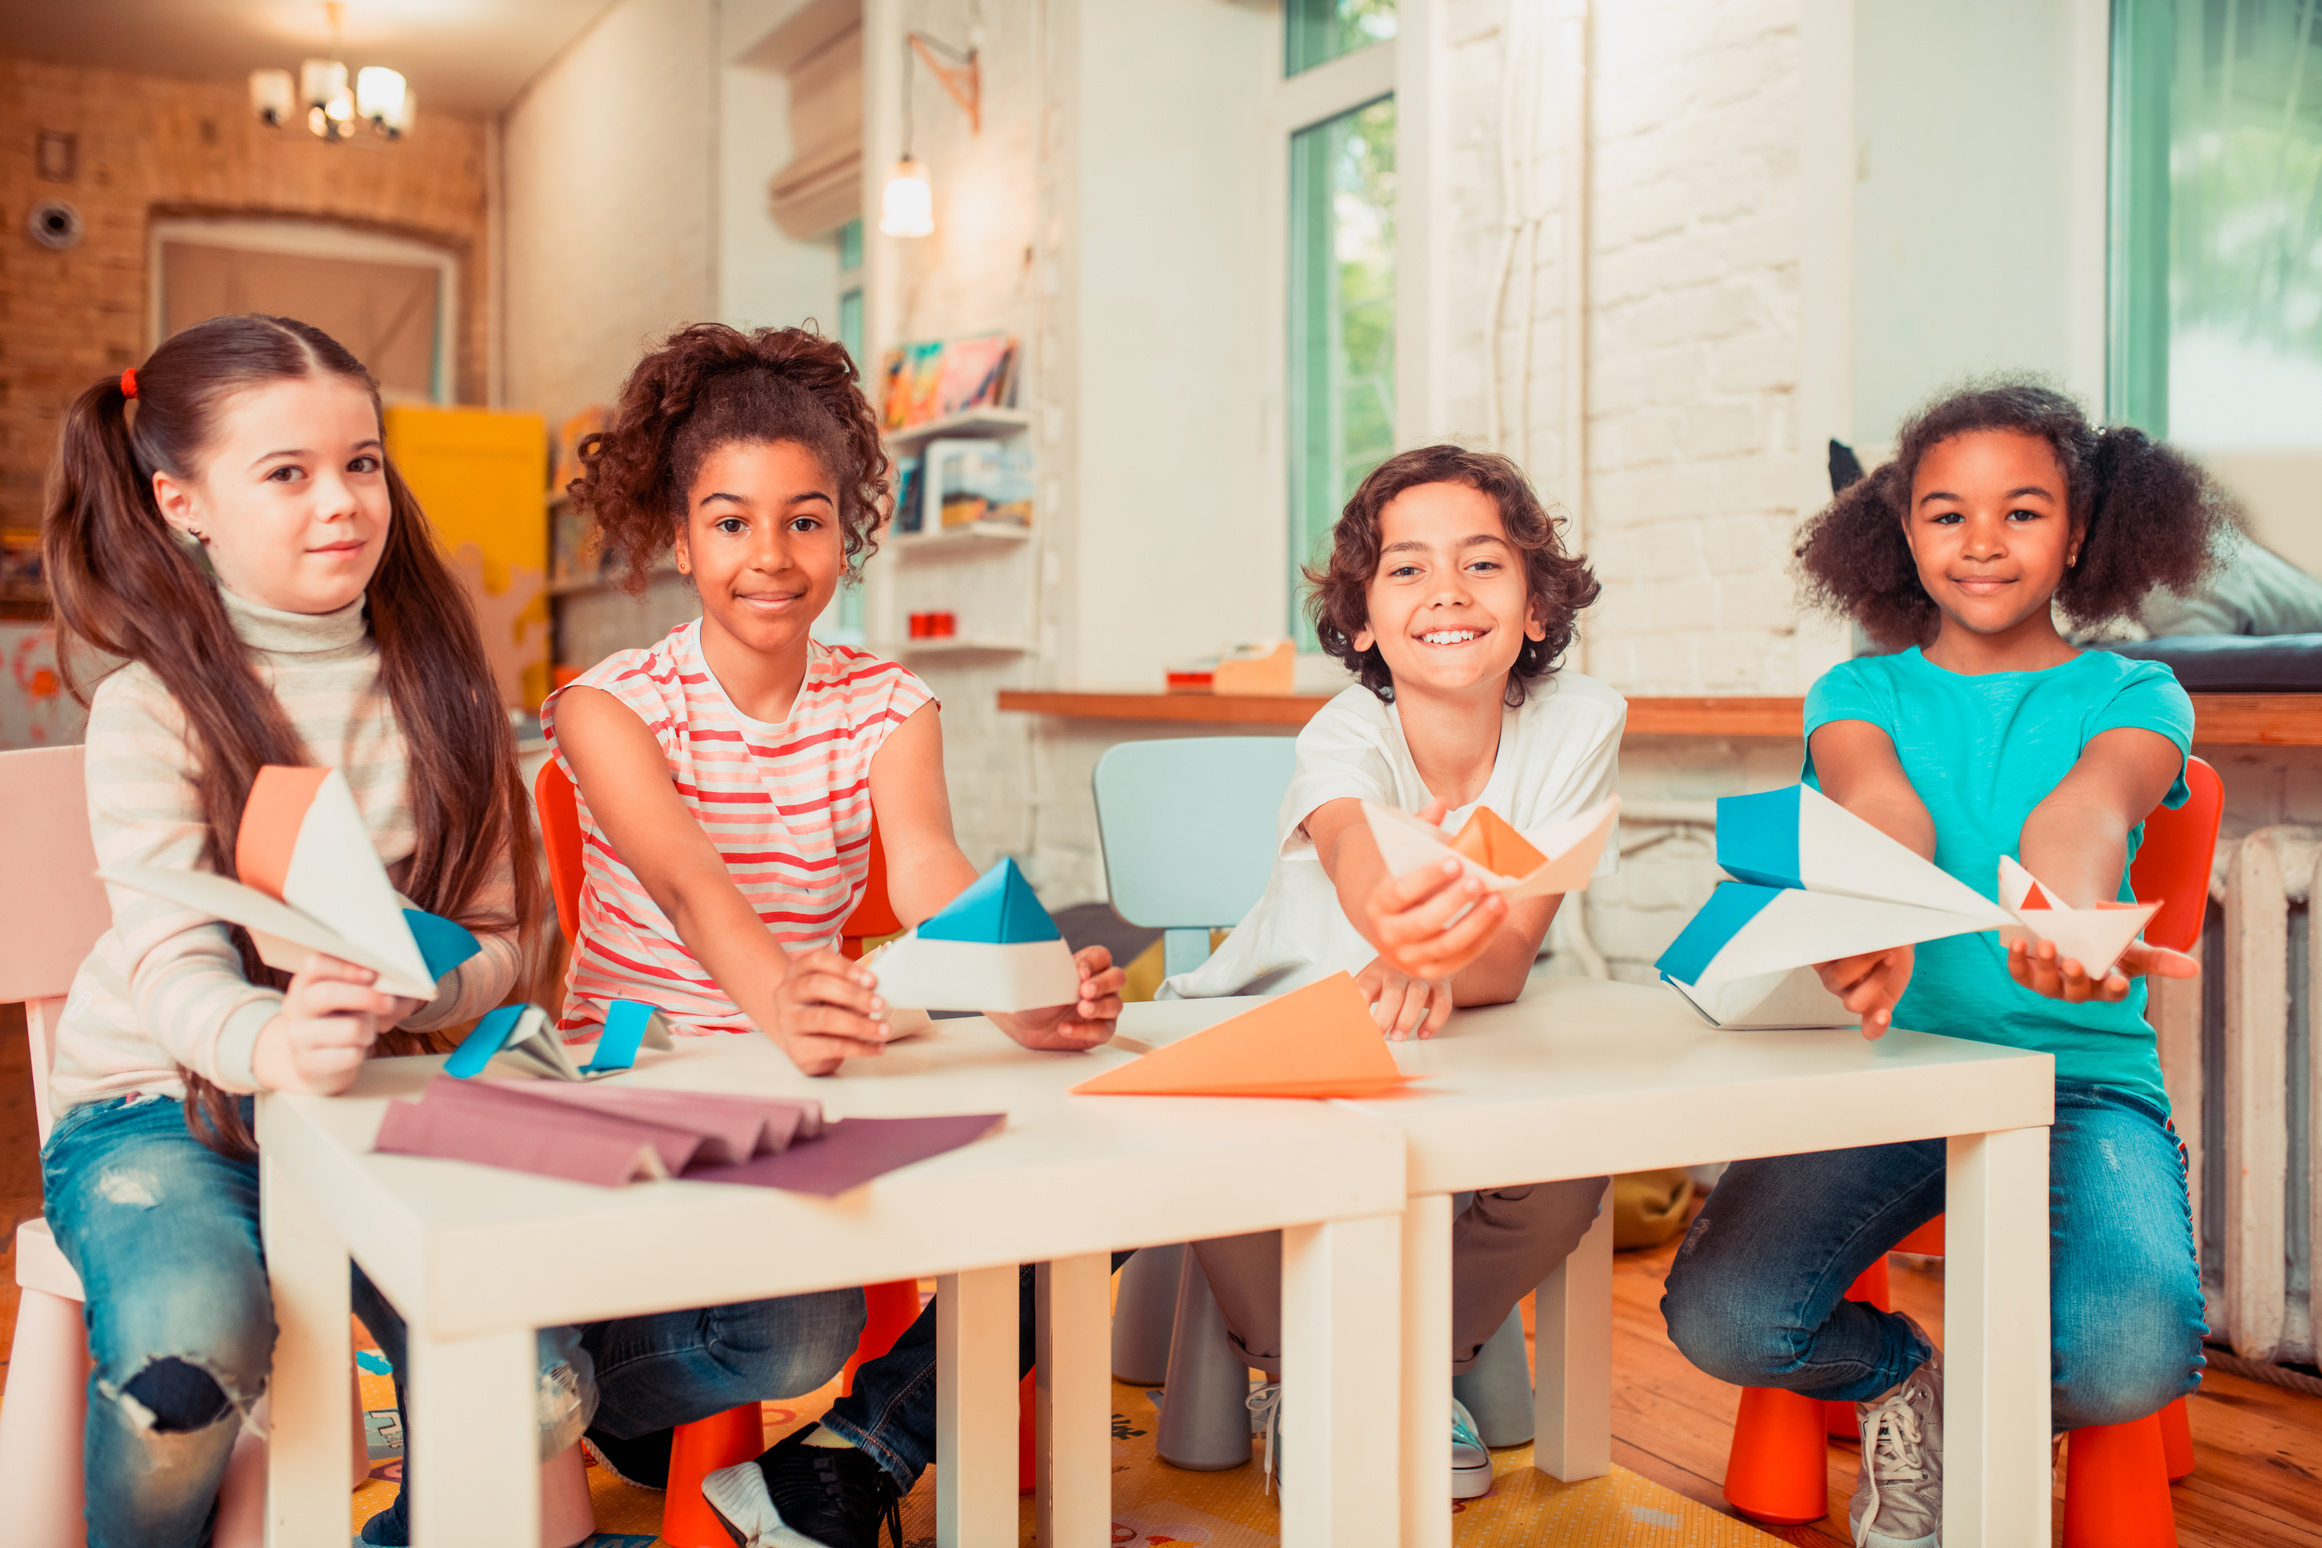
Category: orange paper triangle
[1487,839]
[1318,1041]
[271,819]
[2035,898]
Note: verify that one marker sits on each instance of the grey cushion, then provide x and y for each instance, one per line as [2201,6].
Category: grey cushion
[2235,663]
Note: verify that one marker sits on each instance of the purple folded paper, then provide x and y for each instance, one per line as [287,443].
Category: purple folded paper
[611,1135]
[732,1128]
[497,1125]
[852,1151]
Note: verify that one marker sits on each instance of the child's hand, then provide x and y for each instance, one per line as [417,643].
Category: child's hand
[1081,1025]
[825,1012]
[1411,917]
[1404,1006]
[2038,969]
[1870,985]
[328,1021]
[400,1008]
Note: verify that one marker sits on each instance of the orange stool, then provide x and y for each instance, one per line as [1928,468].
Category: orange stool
[2116,1487]
[889,1310]
[700,1449]
[1027,1435]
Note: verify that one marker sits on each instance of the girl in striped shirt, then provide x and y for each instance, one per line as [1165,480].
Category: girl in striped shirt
[727,779]
[728,774]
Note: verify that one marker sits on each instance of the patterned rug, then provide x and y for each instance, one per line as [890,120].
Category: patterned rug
[1155,1504]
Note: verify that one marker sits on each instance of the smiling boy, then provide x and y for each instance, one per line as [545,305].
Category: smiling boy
[1449,596]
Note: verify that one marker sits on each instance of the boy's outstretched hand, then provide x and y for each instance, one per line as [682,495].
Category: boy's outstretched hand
[1870,985]
[1417,919]
[329,1019]
[1403,1006]
[2038,969]
[1083,1024]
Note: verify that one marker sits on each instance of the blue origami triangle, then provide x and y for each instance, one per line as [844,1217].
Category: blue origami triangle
[1731,906]
[998,909]
[1757,837]
[443,945]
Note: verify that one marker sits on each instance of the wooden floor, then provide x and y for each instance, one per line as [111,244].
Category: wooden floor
[2258,1449]
[2258,1483]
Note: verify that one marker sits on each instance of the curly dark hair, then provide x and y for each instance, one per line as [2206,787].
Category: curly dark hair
[709,386]
[1560,584]
[2146,515]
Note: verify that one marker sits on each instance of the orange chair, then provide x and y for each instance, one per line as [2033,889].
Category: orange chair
[722,1440]
[2117,1476]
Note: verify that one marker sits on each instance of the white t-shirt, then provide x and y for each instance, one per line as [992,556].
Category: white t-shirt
[1559,755]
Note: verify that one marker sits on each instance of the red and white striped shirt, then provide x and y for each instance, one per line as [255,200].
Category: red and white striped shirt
[788,806]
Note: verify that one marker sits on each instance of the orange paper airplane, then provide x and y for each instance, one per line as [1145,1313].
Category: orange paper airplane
[1318,1041]
[1491,843]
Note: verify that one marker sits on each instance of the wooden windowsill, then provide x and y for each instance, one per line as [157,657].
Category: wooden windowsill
[2224,719]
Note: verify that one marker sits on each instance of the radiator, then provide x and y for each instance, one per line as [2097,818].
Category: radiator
[2237,1053]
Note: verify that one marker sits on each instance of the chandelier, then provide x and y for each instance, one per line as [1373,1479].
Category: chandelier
[380,99]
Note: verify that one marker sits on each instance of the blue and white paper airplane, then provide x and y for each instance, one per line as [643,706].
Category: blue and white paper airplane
[991,948]
[1813,883]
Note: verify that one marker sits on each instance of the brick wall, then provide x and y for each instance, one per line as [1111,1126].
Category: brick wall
[151,146]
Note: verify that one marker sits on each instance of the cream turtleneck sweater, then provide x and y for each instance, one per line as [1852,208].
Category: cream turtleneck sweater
[164,987]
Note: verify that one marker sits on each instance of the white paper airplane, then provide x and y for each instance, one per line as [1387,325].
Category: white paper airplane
[1554,858]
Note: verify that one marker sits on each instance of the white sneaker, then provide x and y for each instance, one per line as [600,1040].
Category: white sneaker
[1898,1495]
[1265,1406]
[1471,1462]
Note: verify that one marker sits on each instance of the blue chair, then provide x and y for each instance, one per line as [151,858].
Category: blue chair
[1187,827]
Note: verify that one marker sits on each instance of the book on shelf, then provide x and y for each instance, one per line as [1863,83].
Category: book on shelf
[924,382]
[972,482]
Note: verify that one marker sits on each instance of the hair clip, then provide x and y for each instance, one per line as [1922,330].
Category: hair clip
[129,383]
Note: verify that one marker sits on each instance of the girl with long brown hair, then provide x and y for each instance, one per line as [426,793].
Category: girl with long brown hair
[224,522]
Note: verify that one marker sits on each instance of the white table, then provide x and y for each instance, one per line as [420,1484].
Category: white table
[1582,1077]
[475,1259]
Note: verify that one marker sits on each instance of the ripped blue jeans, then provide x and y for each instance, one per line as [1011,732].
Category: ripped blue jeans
[164,1234]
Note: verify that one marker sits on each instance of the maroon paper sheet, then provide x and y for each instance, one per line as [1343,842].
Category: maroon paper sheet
[493,1126]
[852,1151]
[733,1128]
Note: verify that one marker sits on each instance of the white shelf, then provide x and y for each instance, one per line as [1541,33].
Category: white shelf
[987,423]
[975,535]
[961,646]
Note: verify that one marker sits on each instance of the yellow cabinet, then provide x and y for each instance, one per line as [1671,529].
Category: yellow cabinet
[482,479]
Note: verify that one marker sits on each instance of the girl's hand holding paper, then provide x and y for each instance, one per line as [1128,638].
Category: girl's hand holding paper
[2038,967]
[1087,1022]
[329,1019]
[827,1010]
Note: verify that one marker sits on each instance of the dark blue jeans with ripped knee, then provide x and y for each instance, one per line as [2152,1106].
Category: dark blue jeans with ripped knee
[164,1234]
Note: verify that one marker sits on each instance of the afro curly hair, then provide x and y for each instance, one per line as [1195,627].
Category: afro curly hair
[2146,515]
[1560,584]
[709,386]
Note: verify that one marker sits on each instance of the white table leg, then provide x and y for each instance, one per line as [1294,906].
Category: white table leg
[306,1481]
[1996,1486]
[1342,1348]
[1075,1389]
[1572,1356]
[1426,1478]
[473,1452]
[975,1409]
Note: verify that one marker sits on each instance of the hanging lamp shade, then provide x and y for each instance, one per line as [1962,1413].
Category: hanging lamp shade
[908,209]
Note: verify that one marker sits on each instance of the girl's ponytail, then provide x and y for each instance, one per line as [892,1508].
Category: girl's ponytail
[2153,519]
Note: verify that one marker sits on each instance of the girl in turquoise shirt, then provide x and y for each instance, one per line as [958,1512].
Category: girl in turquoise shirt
[1986,734]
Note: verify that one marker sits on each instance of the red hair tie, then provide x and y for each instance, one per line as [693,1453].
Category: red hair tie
[129,383]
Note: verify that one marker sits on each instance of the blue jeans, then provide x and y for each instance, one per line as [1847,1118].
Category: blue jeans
[164,1234]
[1756,1294]
[890,1413]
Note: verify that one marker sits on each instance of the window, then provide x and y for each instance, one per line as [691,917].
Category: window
[2216,286]
[1319,31]
[850,262]
[1341,399]
[849,628]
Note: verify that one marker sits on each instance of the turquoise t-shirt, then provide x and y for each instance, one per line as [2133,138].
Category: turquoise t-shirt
[1982,752]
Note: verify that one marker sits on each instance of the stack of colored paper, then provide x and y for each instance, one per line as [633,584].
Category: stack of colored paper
[1318,1041]
[611,1135]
